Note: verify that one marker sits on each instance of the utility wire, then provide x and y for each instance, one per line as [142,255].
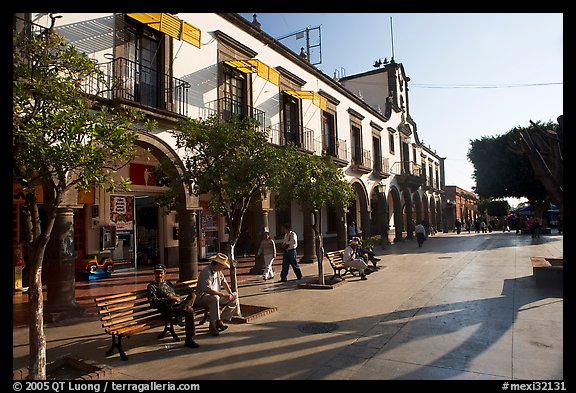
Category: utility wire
[471,86]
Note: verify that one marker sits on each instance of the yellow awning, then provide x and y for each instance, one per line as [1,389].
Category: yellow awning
[251,66]
[190,34]
[171,25]
[316,98]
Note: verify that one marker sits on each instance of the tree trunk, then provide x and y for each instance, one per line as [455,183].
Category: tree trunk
[37,243]
[37,339]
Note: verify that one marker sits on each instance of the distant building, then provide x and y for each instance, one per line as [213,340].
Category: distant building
[460,204]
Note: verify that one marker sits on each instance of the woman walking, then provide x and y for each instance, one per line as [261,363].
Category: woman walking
[268,250]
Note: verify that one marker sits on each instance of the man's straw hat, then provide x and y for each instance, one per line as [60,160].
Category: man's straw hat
[221,259]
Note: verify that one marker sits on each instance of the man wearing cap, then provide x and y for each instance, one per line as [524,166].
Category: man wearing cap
[352,259]
[214,291]
[161,295]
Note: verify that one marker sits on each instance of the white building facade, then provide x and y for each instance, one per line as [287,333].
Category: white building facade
[197,64]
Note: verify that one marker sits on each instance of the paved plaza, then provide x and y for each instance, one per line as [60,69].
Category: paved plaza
[462,307]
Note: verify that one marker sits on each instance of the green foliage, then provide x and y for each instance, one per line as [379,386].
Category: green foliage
[498,208]
[232,160]
[58,139]
[311,180]
[500,172]
[59,142]
[369,243]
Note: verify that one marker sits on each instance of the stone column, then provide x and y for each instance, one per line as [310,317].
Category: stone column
[366,223]
[60,270]
[342,228]
[187,245]
[382,219]
[309,255]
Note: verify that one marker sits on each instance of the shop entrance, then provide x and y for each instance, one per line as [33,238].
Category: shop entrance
[147,239]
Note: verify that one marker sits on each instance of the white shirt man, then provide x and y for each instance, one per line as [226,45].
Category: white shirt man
[351,259]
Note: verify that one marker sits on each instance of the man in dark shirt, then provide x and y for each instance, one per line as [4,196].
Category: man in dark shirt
[161,295]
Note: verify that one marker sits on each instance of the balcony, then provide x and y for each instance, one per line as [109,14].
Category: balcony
[381,168]
[303,138]
[130,81]
[408,174]
[227,108]
[361,160]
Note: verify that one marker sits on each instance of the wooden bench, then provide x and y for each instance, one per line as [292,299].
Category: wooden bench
[336,259]
[129,313]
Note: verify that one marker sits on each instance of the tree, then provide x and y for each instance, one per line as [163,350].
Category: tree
[233,162]
[500,173]
[543,146]
[62,143]
[496,208]
[312,182]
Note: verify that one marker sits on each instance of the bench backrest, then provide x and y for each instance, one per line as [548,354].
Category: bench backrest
[121,310]
[335,257]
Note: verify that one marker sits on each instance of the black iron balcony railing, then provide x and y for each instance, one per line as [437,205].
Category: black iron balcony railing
[227,108]
[129,80]
[302,138]
[362,158]
[342,149]
[406,167]
[29,28]
[381,166]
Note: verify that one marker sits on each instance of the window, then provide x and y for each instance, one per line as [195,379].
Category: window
[356,141]
[377,154]
[391,141]
[329,134]
[141,71]
[291,114]
[233,94]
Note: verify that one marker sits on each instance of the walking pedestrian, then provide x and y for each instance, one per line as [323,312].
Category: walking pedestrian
[420,233]
[352,230]
[268,250]
[289,245]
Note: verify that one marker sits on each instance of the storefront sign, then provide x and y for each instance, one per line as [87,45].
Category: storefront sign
[121,211]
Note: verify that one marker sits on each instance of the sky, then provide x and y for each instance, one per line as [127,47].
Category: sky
[471,74]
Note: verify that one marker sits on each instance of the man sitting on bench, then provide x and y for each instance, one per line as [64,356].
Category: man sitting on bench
[161,295]
[214,292]
[352,259]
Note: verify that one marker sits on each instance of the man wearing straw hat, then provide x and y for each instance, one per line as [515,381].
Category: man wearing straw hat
[352,259]
[214,291]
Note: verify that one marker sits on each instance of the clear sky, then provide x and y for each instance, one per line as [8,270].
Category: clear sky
[471,74]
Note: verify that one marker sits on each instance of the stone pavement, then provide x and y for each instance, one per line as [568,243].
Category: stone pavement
[462,307]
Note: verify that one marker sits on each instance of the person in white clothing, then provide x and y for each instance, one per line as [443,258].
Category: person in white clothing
[289,244]
[352,259]
[268,250]
[214,291]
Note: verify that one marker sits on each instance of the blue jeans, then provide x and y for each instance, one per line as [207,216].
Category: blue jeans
[289,259]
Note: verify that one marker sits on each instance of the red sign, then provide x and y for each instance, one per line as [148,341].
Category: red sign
[142,174]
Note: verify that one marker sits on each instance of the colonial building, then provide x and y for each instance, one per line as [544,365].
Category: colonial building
[461,205]
[171,66]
